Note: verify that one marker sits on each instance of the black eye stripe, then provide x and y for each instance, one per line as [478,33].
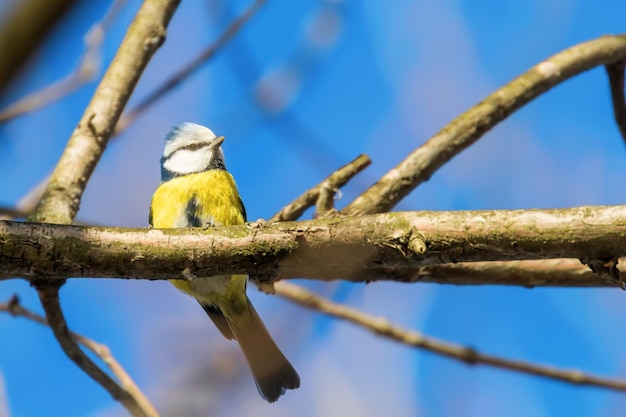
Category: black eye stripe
[194,146]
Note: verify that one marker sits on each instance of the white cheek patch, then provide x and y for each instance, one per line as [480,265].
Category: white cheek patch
[186,161]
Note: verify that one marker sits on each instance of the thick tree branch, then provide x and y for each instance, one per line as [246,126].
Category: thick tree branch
[470,356]
[471,125]
[390,246]
[61,199]
[14,308]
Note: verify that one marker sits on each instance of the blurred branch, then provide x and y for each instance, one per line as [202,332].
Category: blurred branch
[471,125]
[337,179]
[87,70]
[14,308]
[23,29]
[390,246]
[8,213]
[175,80]
[146,33]
[615,72]
[468,355]
[49,297]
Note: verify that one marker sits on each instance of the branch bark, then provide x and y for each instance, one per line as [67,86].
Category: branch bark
[390,246]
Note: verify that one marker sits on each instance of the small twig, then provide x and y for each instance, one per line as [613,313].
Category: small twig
[616,81]
[86,71]
[468,355]
[49,297]
[131,115]
[14,308]
[146,33]
[336,180]
[325,205]
[471,125]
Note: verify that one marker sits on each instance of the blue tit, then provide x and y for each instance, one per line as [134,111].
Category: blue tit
[196,190]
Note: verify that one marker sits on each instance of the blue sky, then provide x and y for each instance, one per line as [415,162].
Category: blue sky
[349,77]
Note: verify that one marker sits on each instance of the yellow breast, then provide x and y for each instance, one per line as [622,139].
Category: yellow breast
[204,198]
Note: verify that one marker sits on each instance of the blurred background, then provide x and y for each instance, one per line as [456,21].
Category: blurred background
[304,88]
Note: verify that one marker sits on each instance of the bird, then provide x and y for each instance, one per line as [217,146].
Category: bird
[196,190]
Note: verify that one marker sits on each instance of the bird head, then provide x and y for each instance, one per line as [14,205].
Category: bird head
[191,148]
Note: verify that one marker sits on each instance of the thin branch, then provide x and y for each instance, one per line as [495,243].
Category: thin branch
[191,67]
[14,308]
[337,179]
[390,246]
[49,297]
[468,355]
[61,199]
[88,68]
[471,125]
[616,82]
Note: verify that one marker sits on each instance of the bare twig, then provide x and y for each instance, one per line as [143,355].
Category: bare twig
[172,82]
[49,297]
[616,81]
[14,308]
[468,355]
[325,205]
[471,125]
[61,199]
[337,179]
[87,70]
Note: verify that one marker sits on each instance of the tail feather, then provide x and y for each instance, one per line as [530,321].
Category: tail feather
[272,372]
